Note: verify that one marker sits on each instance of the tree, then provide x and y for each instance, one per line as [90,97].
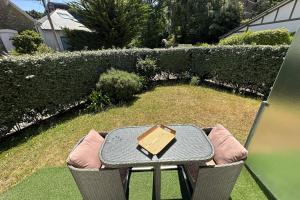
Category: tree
[224,16]
[155,28]
[116,22]
[255,7]
[195,21]
[35,14]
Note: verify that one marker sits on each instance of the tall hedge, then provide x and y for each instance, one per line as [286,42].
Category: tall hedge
[266,37]
[32,86]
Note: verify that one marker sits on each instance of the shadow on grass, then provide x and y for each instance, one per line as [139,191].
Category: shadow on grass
[35,129]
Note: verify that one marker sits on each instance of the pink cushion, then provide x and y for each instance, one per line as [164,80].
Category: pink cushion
[227,148]
[85,155]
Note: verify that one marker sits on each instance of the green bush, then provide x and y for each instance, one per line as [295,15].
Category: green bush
[201,44]
[147,68]
[43,48]
[267,37]
[195,80]
[119,86]
[79,40]
[98,101]
[27,42]
[43,84]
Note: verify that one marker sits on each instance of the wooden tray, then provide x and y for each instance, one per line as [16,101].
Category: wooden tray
[156,138]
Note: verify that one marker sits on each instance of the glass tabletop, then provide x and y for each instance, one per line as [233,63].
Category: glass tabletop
[121,148]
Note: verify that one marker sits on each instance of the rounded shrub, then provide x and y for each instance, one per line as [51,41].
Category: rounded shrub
[119,86]
[147,68]
[27,42]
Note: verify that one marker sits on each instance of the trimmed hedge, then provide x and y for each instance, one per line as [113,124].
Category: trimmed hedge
[32,86]
[249,67]
[266,37]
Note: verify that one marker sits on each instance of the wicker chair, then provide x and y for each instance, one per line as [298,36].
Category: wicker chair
[213,182]
[104,183]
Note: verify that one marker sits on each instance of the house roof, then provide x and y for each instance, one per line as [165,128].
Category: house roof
[62,19]
[268,11]
[8,2]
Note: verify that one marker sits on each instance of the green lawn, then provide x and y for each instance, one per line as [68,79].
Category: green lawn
[47,146]
[57,183]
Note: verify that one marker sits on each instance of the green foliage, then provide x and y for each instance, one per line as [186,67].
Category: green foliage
[27,42]
[155,28]
[35,14]
[43,84]
[83,40]
[195,80]
[266,37]
[116,22]
[98,101]
[251,67]
[224,16]
[147,68]
[43,48]
[119,86]
[263,5]
[199,44]
[195,21]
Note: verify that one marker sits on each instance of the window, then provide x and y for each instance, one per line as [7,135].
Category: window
[65,16]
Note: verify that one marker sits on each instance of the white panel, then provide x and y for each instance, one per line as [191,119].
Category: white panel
[50,40]
[5,36]
[292,26]
[270,17]
[296,13]
[257,21]
[285,11]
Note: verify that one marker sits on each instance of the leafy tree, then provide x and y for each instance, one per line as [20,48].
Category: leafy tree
[35,14]
[117,22]
[195,21]
[155,28]
[253,8]
[27,42]
[223,17]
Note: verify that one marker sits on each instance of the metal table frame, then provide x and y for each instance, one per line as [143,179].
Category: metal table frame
[120,149]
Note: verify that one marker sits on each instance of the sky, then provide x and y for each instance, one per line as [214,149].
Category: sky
[33,4]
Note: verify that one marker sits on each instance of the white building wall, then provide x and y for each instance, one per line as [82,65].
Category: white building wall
[296,13]
[292,26]
[49,39]
[285,11]
[287,16]
[269,17]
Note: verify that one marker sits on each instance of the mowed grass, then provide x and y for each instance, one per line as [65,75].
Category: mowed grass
[48,145]
[58,184]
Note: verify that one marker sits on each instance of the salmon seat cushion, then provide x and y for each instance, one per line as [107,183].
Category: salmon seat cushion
[85,155]
[227,148]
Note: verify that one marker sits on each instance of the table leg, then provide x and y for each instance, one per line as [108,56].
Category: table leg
[156,182]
